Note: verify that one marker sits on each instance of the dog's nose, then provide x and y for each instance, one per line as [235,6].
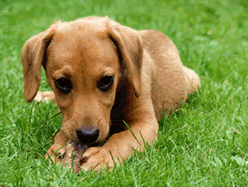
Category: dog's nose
[88,134]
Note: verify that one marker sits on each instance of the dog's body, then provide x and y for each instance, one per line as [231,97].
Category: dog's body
[102,72]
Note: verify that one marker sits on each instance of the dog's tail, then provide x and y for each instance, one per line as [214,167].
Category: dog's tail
[193,80]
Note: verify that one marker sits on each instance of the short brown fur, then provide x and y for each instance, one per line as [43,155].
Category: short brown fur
[148,75]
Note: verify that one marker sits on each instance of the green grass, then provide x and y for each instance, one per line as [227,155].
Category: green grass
[202,144]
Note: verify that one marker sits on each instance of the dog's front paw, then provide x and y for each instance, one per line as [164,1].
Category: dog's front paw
[96,157]
[56,152]
[46,96]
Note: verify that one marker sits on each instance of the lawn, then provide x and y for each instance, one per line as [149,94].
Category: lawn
[202,144]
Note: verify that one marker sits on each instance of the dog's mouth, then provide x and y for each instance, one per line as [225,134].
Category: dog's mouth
[115,127]
[76,150]
[74,154]
[80,146]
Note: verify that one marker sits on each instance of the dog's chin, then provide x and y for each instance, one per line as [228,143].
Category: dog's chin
[115,127]
[95,144]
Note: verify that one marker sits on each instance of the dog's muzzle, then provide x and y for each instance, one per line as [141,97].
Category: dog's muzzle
[87,134]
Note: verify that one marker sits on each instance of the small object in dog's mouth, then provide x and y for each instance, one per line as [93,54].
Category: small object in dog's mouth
[74,152]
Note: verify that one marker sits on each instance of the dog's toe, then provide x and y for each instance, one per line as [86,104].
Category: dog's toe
[56,152]
[96,158]
[46,96]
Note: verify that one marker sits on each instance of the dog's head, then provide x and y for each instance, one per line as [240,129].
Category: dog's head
[84,61]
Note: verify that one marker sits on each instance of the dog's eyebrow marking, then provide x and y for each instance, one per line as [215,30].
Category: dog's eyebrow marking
[63,72]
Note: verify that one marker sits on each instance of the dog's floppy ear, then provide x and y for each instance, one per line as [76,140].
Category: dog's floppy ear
[130,47]
[33,56]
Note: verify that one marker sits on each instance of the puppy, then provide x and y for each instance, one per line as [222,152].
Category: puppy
[103,73]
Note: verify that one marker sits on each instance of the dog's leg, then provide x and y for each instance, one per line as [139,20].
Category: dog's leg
[57,150]
[45,96]
[143,128]
[120,145]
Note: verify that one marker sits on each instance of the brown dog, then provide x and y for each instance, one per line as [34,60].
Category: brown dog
[102,72]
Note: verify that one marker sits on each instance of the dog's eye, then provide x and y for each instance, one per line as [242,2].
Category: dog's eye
[105,83]
[64,85]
